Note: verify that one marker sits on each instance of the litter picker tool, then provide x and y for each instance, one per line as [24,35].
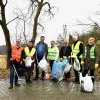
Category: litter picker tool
[16,72]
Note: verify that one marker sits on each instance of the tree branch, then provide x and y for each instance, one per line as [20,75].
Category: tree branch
[12,20]
[49,9]
[95,23]
[6,3]
[41,27]
[47,4]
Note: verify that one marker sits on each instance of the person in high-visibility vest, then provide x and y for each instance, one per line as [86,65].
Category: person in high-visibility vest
[29,52]
[14,55]
[53,53]
[90,58]
[77,51]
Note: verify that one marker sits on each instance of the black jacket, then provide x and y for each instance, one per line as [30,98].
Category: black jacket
[65,51]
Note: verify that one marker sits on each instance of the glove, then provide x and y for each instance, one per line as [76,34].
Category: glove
[10,59]
[21,62]
[82,63]
[74,56]
[69,57]
[61,59]
[64,57]
[96,65]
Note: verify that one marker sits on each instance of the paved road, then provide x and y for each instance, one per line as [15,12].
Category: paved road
[46,90]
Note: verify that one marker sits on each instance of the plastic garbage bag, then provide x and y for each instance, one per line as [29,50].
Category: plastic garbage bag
[67,68]
[57,69]
[86,83]
[64,62]
[43,64]
[28,62]
[76,65]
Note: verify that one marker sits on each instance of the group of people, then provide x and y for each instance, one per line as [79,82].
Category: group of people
[87,56]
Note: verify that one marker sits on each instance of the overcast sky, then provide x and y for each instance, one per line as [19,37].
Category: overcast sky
[69,11]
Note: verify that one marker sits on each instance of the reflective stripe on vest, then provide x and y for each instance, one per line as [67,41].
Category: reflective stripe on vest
[52,53]
[91,52]
[75,49]
[16,53]
[28,53]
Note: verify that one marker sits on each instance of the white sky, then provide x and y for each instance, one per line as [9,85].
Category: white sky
[69,11]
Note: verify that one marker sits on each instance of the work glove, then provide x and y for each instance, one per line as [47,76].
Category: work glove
[74,56]
[61,59]
[21,62]
[69,57]
[82,63]
[64,57]
[10,59]
[96,65]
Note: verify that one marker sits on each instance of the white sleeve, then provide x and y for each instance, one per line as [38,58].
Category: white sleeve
[57,53]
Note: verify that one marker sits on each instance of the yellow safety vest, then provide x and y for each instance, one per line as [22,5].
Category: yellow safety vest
[91,52]
[28,53]
[75,49]
[52,53]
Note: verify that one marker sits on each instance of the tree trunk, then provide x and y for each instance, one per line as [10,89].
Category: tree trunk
[40,4]
[5,29]
[8,43]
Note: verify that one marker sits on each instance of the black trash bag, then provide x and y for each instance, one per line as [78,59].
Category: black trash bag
[21,70]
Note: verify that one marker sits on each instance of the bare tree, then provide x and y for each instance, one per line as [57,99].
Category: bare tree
[4,27]
[92,23]
[3,24]
[40,4]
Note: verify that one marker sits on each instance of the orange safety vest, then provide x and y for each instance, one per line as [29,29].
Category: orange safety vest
[16,53]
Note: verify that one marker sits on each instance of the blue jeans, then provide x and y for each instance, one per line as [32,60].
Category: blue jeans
[13,75]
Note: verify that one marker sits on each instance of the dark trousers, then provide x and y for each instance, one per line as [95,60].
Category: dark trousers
[51,64]
[76,72]
[67,75]
[91,73]
[37,68]
[29,72]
